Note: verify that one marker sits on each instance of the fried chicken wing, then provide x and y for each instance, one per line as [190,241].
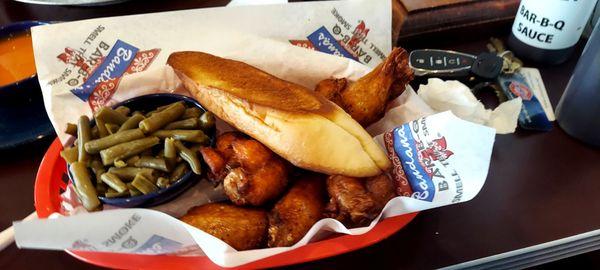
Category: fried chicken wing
[366,98]
[251,173]
[381,188]
[216,163]
[331,89]
[349,200]
[256,187]
[357,201]
[295,213]
[241,228]
[224,143]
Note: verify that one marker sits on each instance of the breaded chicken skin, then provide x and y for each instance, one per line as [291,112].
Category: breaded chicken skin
[242,228]
[357,201]
[295,213]
[251,173]
[366,98]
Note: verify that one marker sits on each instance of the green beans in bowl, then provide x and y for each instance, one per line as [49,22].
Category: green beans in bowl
[140,152]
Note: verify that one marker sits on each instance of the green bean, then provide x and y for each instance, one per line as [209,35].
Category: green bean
[147,152]
[132,122]
[193,112]
[127,149]
[113,181]
[111,193]
[95,146]
[170,150]
[195,136]
[129,173]
[143,184]
[111,128]
[120,163]
[132,190]
[83,185]
[84,135]
[196,147]
[189,156]
[161,153]
[153,163]
[119,141]
[207,121]
[95,133]
[108,115]
[178,172]
[162,118]
[101,126]
[101,188]
[162,182]
[71,129]
[123,110]
[70,154]
[161,108]
[190,123]
[132,160]
[97,168]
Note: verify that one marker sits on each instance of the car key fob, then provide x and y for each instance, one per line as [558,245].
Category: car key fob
[487,65]
[451,64]
[440,63]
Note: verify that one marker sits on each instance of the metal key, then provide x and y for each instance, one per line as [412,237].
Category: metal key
[511,63]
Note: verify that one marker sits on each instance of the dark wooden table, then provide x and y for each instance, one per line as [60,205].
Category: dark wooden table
[541,186]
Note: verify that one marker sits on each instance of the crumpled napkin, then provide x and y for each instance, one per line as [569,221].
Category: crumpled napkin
[438,96]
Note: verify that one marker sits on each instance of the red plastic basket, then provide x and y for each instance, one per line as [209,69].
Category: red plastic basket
[51,181]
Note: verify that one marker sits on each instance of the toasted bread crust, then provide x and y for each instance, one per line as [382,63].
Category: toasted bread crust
[248,83]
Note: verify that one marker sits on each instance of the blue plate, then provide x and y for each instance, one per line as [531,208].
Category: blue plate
[145,104]
[23,118]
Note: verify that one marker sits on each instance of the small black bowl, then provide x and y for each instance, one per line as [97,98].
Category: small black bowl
[148,103]
[20,88]
[23,118]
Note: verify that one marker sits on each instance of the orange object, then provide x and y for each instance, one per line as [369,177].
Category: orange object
[49,184]
[16,58]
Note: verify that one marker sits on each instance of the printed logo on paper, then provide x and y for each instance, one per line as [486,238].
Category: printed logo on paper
[158,244]
[343,38]
[323,41]
[398,176]
[94,68]
[83,244]
[359,34]
[520,90]
[422,160]
[129,243]
[114,65]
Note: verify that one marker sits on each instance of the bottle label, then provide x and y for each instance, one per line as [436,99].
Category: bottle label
[551,24]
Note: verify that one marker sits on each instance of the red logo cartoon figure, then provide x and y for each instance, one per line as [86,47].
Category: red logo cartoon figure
[70,56]
[360,32]
[437,150]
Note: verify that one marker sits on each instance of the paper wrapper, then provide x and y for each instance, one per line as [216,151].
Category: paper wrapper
[438,96]
[87,64]
[104,53]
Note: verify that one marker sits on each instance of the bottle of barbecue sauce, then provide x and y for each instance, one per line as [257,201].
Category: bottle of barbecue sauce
[546,31]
